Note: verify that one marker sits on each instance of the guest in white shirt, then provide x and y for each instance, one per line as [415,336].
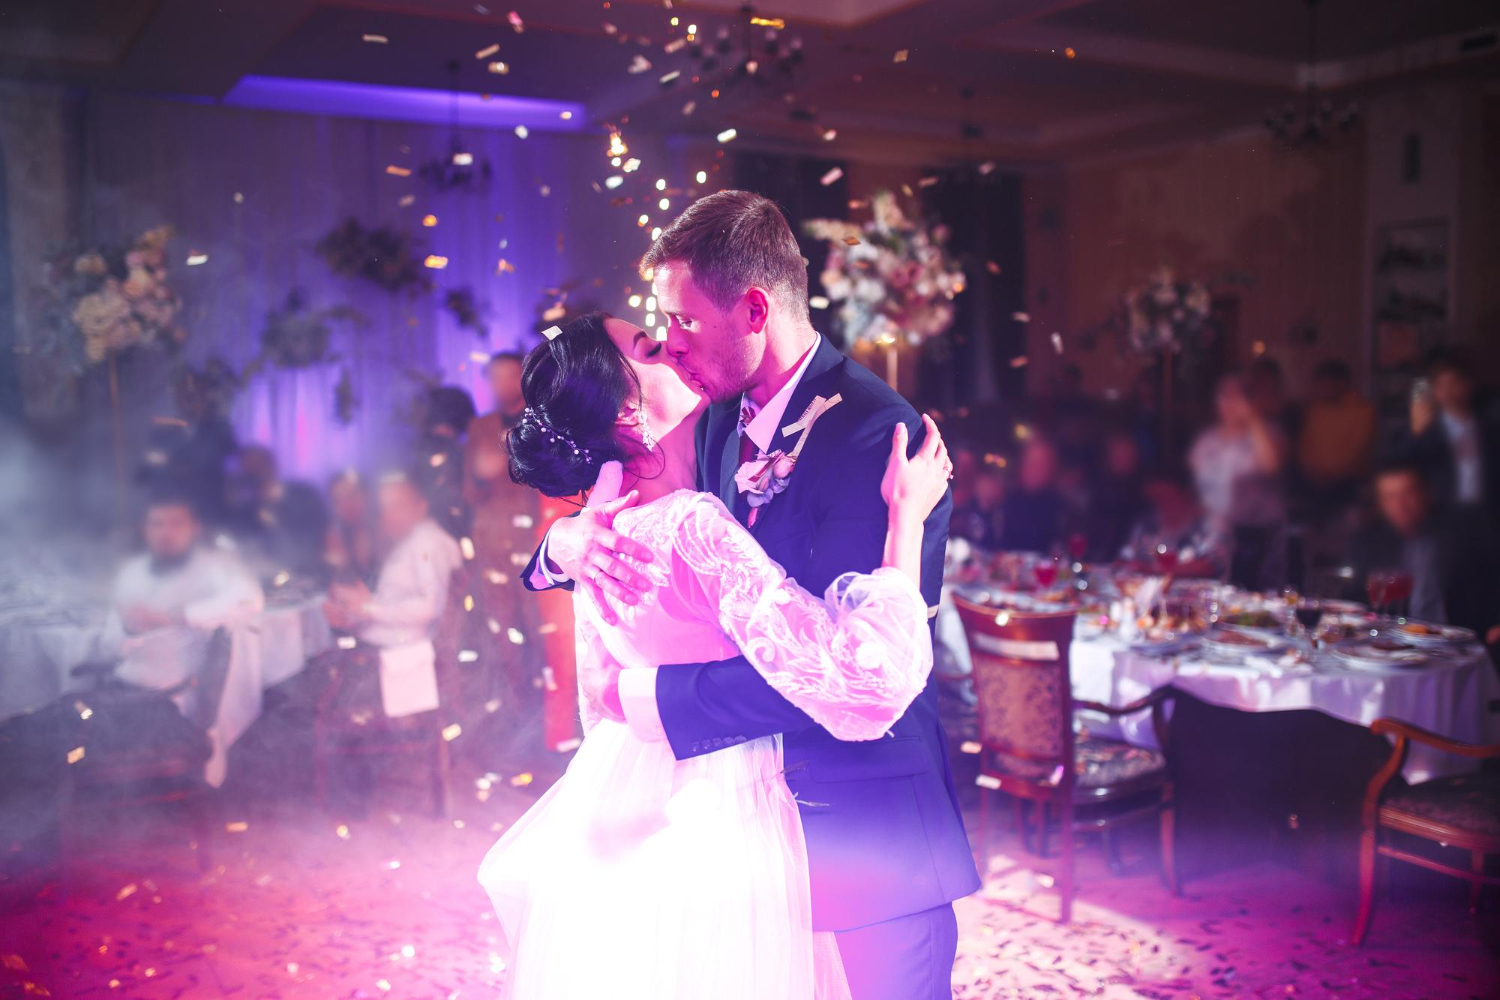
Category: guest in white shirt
[412,588]
[169,600]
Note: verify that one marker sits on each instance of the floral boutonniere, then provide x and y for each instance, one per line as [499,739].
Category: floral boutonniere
[764,476]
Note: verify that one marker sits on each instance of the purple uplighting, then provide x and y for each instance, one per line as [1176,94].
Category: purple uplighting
[404,104]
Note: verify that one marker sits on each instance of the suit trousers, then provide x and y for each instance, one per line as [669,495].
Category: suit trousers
[906,958]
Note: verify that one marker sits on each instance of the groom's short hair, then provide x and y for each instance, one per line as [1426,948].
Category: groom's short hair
[732,241]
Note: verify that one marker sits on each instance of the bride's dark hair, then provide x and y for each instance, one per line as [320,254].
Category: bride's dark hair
[575,385]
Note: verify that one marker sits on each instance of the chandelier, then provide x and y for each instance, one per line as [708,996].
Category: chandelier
[756,55]
[460,169]
[1317,122]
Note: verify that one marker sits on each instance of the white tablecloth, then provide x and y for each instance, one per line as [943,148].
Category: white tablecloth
[1450,697]
[38,655]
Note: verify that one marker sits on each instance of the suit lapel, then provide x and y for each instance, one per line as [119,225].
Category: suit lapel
[824,361]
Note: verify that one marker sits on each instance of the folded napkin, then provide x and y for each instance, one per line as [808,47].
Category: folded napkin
[408,679]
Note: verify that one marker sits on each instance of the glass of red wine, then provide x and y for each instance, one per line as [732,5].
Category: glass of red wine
[1166,559]
[1398,591]
[1046,572]
[1309,616]
[1078,546]
[1377,587]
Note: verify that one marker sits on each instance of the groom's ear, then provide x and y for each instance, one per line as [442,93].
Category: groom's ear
[758,306]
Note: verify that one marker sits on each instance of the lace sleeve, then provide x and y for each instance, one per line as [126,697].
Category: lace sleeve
[589,655]
[853,661]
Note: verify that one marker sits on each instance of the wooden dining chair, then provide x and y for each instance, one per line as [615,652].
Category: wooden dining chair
[1029,749]
[1460,811]
[135,748]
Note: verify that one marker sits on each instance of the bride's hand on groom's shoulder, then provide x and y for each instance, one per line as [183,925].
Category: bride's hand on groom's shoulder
[588,550]
[913,486]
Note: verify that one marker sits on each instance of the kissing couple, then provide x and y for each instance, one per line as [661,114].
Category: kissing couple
[762,806]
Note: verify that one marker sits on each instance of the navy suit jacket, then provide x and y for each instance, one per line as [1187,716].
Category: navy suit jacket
[885,836]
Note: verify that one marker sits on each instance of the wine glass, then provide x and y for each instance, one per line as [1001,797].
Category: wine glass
[1309,616]
[1166,559]
[1046,572]
[1078,546]
[1398,591]
[1377,586]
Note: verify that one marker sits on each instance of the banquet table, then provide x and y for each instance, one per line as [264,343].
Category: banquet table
[41,645]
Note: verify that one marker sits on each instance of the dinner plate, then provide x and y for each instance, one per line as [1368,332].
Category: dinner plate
[1371,654]
[1230,641]
[1429,634]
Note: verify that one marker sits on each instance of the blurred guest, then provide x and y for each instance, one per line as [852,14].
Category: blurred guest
[412,588]
[1116,498]
[1034,513]
[1338,433]
[1456,445]
[446,413]
[1265,386]
[168,600]
[504,533]
[1237,464]
[285,520]
[349,548]
[1174,532]
[1450,555]
[979,517]
[190,454]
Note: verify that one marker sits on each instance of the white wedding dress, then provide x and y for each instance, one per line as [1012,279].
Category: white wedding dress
[641,877]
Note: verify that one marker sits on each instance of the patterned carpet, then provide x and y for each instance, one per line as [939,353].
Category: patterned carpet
[300,905]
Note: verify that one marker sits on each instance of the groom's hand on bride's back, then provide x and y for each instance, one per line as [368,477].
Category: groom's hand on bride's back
[588,550]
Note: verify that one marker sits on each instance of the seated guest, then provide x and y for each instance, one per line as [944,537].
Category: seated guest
[1337,435]
[412,588]
[285,521]
[1451,555]
[1117,502]
[1174,533]
[349,548]
[190,454]
[978,494]
[1453,442]
[1034,512]
[168,600]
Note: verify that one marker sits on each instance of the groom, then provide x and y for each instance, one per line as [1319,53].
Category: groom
[885,839]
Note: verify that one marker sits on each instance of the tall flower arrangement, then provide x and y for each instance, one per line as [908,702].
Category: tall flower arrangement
[104,301]
[1166,315]
[892,277]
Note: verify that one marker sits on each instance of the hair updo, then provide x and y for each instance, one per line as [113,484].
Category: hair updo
[575,386]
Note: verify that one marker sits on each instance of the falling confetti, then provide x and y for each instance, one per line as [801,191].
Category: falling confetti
[487,51]
[971,746]
[830,134]
[376,39]
[347,642]
[728,135]
[986,168]
[901,55]
[396,171]
[406,200]
[992,267]
[1057,342]
[689,107]
[831,176]
[1019,362]
[515,22]
[197,257]
[452,732]
[852,241]
[126,892]
[818,301]
[239,826]
[499,68]
[504,267]
[522,132]
[1021,317]
[927,182]
[521,780]
[640,64]
[466,545]
[74,755]
[435,261]
[341,831]
[429,220]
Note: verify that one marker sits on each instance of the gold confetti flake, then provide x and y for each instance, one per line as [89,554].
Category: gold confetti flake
[466,545]
[669,77]
[396,171]
[384,985]
[515,636]
[504,267]
[728,135]
[492,706]
[498,68]
[768,22]
[1021,317]
[74,755]
[689,107]
[1057,342]
[971,746]
[546,629]
[852,241]
[992,267]
[468,602]
[126,892]
[523,779]
[567,745]
[901,55]
[927,182]
[347,642]
[906,190]
[281,579]
[487,51]
[986,168]
[341,831]
[831,176]
[1069,53]
[639,64]
[238,826]
[1022,432]
[674,46]
[452,732]
[375,39]
[435,261]
[1019,362]
[987,781]
[830,134]
[197,257]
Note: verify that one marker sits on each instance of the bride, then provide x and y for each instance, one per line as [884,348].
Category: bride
[638,876]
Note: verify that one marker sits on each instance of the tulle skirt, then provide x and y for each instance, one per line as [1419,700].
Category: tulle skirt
[641,877]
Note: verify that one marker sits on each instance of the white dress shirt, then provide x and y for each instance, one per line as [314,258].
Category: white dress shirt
[1463,439]
[412,589]
[211,589]
[638,687]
